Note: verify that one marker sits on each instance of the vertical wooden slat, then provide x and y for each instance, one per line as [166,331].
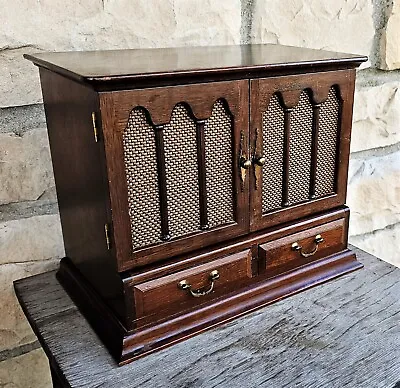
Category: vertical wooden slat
[339,144]
[286,157]
[201,162]
[314,149]
[162,182]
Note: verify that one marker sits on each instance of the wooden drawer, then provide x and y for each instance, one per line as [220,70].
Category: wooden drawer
[295,250]
[187,289]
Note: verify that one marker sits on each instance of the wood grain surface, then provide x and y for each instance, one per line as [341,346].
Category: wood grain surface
[342,334]
[109,64]
[199,99]
[289,90]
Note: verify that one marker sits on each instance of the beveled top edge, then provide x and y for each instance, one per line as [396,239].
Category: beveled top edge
[133,64]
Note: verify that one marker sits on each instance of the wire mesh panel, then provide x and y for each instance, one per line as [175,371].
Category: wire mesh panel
[218,161]
[327,145]
[300,150]
[180,149]
[140,150]
[273,136]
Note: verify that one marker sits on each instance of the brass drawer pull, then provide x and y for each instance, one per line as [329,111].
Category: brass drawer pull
[184,285]
[297,247]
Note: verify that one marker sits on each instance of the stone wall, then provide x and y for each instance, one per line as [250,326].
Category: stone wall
[30,233]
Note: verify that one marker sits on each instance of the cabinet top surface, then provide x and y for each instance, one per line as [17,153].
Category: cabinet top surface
[109,65]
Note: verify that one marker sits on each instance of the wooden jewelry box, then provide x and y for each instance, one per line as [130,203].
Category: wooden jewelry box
[197,184]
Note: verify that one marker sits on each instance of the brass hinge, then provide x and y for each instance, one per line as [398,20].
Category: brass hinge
[107,233]
[95,132]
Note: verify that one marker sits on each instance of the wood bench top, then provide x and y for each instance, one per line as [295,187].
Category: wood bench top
[345,333]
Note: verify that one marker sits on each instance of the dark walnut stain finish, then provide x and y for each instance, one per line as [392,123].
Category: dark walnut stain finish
[159,103]
[301,248]
[288,89]
[208,254]
[79,170]
[171,65]
[239,290]
[197,184]
[158,298]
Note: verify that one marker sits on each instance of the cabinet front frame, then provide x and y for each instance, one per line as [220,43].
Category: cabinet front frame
[159,102]
[290,87]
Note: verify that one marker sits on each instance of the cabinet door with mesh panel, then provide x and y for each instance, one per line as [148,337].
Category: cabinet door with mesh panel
[300,138]
[173,157]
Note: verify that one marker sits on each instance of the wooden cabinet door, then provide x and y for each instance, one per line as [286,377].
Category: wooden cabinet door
[300,139]
[173,158]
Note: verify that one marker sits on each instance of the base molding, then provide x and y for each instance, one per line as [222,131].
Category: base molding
[98,314]
[126,346]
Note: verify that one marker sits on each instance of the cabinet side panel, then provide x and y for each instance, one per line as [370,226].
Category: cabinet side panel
[79,170]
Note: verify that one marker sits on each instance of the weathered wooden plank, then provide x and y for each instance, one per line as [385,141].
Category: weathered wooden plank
[341,334]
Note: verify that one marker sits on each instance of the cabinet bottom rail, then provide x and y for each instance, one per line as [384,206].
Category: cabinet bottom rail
[127,346]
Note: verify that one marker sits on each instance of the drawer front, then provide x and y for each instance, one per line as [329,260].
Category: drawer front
[295,250]
[190,288]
